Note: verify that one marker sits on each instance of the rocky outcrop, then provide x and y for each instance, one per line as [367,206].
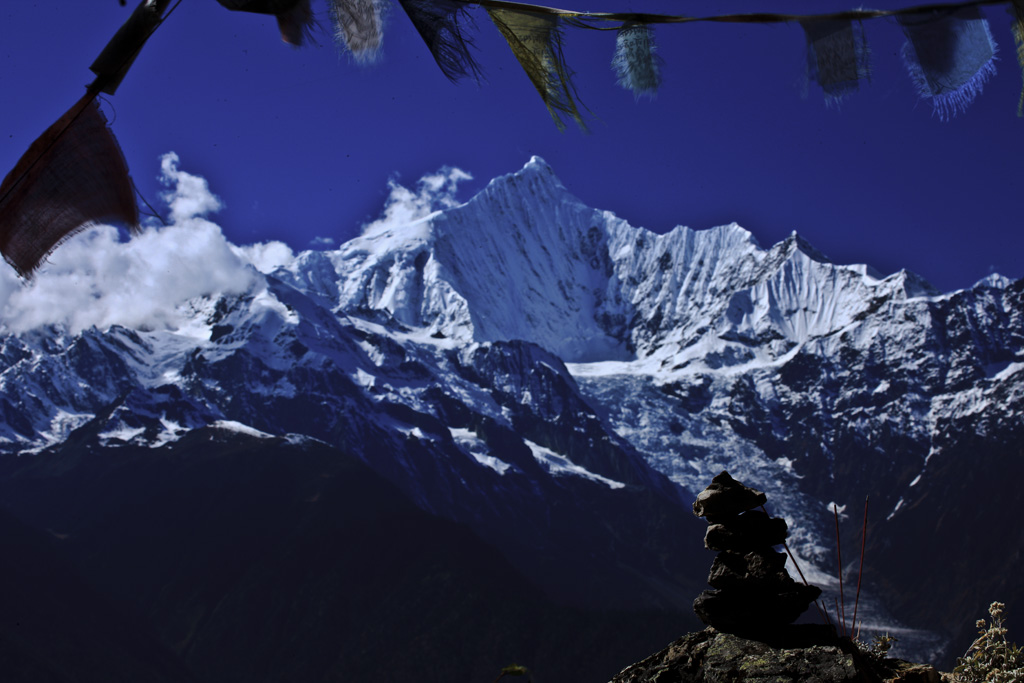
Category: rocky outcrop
[751,636]
[711,655]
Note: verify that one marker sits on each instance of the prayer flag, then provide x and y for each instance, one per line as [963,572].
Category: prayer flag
[1017,12]
[635,62]
[437,22]
[120,53]
[536,41]
[294,17]
[837,56]
[359,26]
[72,176]
[949,54]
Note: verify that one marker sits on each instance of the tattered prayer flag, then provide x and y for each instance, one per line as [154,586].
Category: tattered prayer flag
[950,55]
[119,54]
[837,56]
[536,42]
[294,17]
[359,26]
[1017,12]
[296,24]
[72,176]
[635,62]
[437,22]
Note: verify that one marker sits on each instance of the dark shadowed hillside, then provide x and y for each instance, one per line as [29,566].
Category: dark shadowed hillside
[267,560]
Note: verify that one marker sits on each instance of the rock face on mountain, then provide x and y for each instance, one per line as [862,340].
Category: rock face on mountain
[561,384]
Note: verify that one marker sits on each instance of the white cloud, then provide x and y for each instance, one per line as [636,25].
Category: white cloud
[322,242]
[95,279]
[433,192]
[190,195]
[266,257]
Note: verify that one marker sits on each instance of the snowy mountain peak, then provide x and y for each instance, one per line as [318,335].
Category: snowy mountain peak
[994,280]
[798,242]
[524,259]
[535,182]
[538,164]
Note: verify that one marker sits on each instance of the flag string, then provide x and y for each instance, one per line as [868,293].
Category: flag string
[953,38]
[738,18]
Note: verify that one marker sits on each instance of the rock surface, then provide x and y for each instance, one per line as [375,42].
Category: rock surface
[711,656]
[733,570]
[749,530]
[753,593]
[725,496]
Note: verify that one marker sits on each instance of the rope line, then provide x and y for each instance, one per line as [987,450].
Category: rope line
[742,18]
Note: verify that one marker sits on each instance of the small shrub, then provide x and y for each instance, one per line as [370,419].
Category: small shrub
[514,670]
[991,657]
[880,645]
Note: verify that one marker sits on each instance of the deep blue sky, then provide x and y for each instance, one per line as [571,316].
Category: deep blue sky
[300,143]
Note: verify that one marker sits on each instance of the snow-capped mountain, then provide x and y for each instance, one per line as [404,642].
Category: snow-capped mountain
[821,383]
[564,383]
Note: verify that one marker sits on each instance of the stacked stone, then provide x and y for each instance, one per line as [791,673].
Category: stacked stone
[753,593]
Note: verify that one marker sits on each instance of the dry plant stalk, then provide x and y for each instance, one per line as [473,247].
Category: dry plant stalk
[840,615]
[860,569]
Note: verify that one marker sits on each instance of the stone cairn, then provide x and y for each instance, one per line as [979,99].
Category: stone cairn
[753,593]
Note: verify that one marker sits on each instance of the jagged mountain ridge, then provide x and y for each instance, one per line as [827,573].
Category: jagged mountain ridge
[435,353]
[526,260]
[695,310]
